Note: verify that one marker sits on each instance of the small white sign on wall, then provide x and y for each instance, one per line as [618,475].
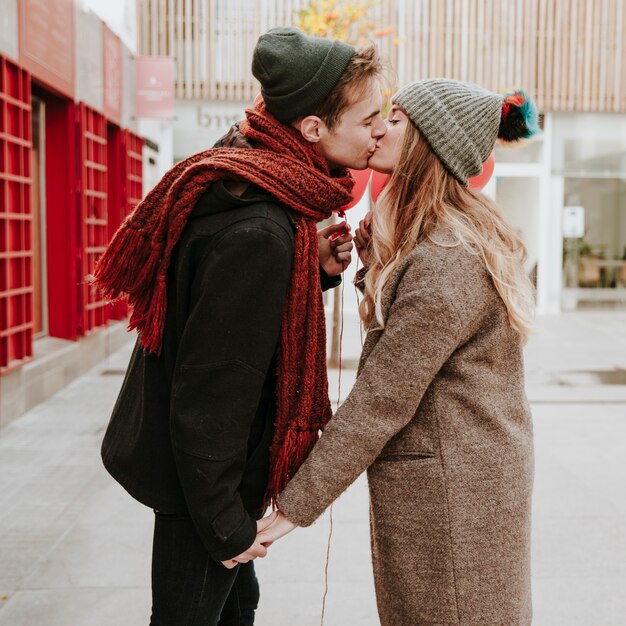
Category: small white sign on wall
[573,221]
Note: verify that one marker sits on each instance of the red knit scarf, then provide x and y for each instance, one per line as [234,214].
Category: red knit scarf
[136,262]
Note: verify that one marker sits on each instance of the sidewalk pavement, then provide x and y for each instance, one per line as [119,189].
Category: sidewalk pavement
[75,549]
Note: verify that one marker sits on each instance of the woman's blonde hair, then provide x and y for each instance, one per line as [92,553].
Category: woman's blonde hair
[421,196]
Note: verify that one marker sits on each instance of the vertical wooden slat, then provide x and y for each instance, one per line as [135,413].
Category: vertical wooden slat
[583,78]
[162,27]
[572,56]
[555,46]
[562,47]
[217,40]
[480,36]
[210,29]
[495,57]
[178,38]
[542,43]
[144,8]
[446,36]
[452,19]
[620,66]
[425,39]
[187,43]
[472,40]
[510,65]
[154,32]
[586,34]
[568,53]
[203,45]
[596,63]
[528,39]
[606,87]
[171,22]
[196,49]
[533,47]
[621,72]
[501,50]
[432,37]
[243,52]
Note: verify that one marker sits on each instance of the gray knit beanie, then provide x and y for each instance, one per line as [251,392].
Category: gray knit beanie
[459,120]
[297,72]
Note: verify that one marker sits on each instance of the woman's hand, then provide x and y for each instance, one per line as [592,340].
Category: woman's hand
[256,550]
[278,528]
[363,238]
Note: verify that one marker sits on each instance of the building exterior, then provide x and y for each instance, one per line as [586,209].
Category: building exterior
[71,168]
[568,54]
[74,159]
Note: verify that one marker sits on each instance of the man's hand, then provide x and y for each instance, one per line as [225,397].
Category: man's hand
[335,243]
[256,549]
[279,527]
[363,238]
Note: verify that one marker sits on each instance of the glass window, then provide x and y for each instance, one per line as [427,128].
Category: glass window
[589,145]
[518,197]
[595,264]
[531,152]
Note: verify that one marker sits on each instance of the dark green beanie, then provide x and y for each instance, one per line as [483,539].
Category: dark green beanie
[297,72]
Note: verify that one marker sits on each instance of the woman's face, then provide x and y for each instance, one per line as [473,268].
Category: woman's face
[389,147]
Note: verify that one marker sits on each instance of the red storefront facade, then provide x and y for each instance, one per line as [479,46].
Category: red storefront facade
[69,174]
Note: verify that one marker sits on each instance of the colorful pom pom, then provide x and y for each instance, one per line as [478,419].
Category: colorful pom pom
[520,119]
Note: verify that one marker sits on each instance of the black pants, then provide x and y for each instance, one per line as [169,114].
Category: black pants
[191,589]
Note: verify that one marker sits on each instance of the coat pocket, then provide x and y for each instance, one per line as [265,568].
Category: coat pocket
[213,407]
[395,457]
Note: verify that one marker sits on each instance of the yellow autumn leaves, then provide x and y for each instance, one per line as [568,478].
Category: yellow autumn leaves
[352,22]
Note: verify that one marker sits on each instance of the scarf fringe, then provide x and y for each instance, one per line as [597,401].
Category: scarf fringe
[294,450]
[116,270]
[136,264]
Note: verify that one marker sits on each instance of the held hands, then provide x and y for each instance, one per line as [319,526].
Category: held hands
[269,529]
[256,549]
[363,238]
[279,527]
[335,244]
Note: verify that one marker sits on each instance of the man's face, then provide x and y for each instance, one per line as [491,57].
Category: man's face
[353,140]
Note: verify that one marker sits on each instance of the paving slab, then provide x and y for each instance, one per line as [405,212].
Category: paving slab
[75,548]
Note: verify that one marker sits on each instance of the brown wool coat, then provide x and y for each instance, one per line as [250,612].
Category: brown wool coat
[439,418]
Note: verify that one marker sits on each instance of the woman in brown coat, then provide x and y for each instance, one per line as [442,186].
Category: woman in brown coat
[438,415]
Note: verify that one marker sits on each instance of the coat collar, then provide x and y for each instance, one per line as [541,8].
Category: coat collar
[388,296]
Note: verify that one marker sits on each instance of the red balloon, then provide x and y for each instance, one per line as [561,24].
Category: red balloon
[478,182]
[361,178]
[379,181]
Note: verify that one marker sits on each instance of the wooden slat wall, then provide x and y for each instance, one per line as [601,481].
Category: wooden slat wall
[570,54]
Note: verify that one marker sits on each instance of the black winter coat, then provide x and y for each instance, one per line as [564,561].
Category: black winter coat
[191,428]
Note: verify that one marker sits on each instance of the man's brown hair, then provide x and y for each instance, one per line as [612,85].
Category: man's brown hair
[364,66]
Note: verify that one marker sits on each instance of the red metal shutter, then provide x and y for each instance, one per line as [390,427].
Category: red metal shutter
[94,229]
[134,170]
[16,245]
[131,168]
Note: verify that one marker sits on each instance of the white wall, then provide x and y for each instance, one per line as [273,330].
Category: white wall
[162,134]
[88,46]
[199,124]
[519,199]
[120,16]
[8,28]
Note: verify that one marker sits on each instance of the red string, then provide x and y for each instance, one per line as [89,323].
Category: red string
[358,303]
[330,533]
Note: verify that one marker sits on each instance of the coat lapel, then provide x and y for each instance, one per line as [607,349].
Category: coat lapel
[389,294]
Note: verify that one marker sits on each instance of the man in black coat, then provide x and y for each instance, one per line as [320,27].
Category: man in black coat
[216,371]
